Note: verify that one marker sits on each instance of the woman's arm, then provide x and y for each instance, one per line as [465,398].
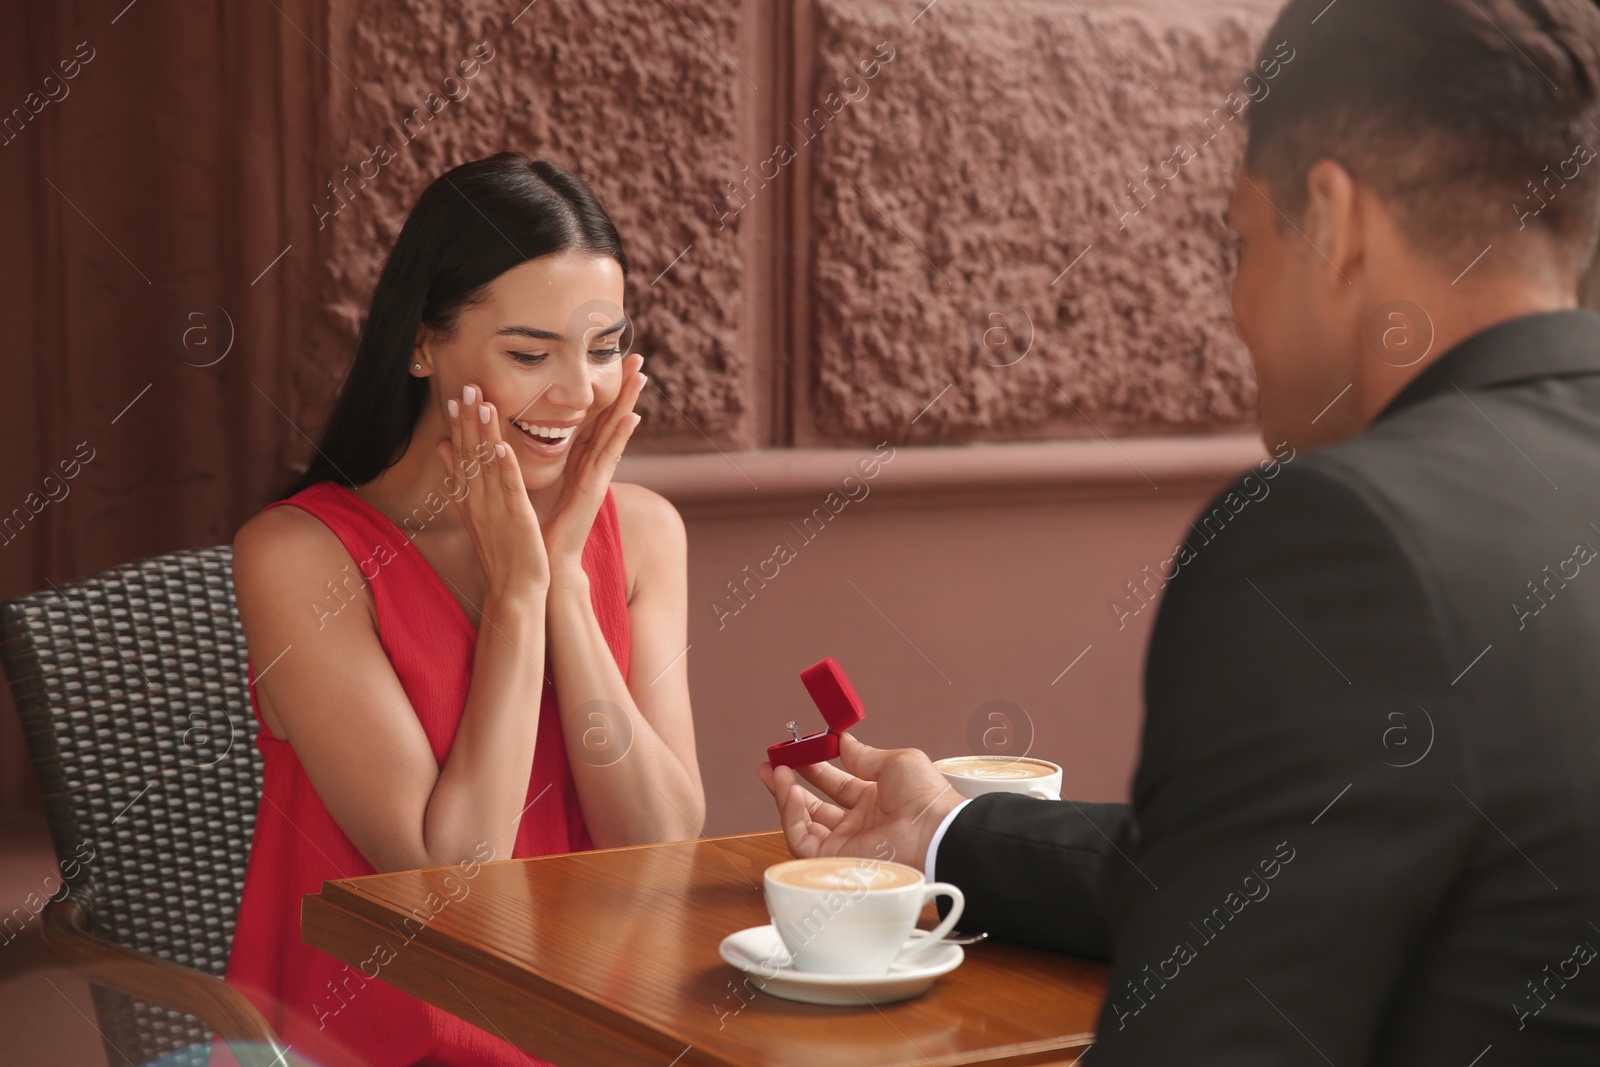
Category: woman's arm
[337,700]
[631,746]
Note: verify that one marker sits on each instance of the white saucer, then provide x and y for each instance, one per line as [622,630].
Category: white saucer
[759,951]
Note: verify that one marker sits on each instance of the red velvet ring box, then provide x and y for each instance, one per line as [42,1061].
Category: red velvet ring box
[832,693]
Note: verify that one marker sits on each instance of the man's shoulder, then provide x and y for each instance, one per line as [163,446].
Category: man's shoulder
[1461,499]
[1410,461]
[1288,506]
[1488,451]
[1337,516]
[1429,474]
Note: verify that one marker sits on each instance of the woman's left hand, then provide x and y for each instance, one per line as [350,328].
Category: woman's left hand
[587,475]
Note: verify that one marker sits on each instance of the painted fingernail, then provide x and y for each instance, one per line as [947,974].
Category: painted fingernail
[644,380]
[469,395]
[455,409]
[500,449]
[484,414]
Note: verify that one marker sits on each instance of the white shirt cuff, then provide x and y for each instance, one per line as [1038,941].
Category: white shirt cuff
[938,835]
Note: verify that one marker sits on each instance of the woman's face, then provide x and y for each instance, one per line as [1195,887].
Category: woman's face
[545,348]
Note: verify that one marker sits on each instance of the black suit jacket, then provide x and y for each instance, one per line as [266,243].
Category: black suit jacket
[1365,825]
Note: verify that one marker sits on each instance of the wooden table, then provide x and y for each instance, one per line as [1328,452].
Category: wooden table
[610,957]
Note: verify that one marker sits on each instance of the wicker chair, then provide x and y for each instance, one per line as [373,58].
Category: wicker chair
[132,691]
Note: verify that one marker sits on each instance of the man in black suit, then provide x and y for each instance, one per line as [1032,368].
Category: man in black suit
[1365,825]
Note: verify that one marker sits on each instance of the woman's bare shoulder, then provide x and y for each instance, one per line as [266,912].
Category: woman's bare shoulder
[286,532]
[651,529]
[286,550]
[644,514]
[283,561]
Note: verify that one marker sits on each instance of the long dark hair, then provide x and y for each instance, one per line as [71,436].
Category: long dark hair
[472,224]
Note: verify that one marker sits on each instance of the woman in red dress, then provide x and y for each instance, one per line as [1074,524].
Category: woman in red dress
[465,642]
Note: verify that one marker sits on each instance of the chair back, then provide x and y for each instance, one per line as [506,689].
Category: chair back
[132,690]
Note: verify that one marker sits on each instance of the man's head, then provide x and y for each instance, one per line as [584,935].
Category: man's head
[1421,170]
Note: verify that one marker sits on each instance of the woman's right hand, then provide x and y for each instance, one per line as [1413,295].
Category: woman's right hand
[495,507]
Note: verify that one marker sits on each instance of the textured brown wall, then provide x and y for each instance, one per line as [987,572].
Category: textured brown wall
[987,172]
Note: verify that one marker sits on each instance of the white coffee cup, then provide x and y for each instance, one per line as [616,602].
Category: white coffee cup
[852,915]
[973,776]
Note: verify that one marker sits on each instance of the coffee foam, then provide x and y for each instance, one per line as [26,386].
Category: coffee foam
[1002,769]
[844,874]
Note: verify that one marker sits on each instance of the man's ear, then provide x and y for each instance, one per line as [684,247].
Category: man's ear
[1334,220]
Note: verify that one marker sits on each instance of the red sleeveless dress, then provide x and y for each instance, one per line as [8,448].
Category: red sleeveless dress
[330,1012]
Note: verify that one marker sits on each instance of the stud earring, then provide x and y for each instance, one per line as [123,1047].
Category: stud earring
[416,366]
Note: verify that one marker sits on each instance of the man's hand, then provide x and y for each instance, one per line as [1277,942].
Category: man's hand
[887,804]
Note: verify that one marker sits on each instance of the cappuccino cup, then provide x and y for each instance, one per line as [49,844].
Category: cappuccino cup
[852,915]
[973,776]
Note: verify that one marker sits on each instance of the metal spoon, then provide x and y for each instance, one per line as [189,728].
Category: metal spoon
[955,937]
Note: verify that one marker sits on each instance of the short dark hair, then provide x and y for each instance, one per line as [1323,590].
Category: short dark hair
[1470,118]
